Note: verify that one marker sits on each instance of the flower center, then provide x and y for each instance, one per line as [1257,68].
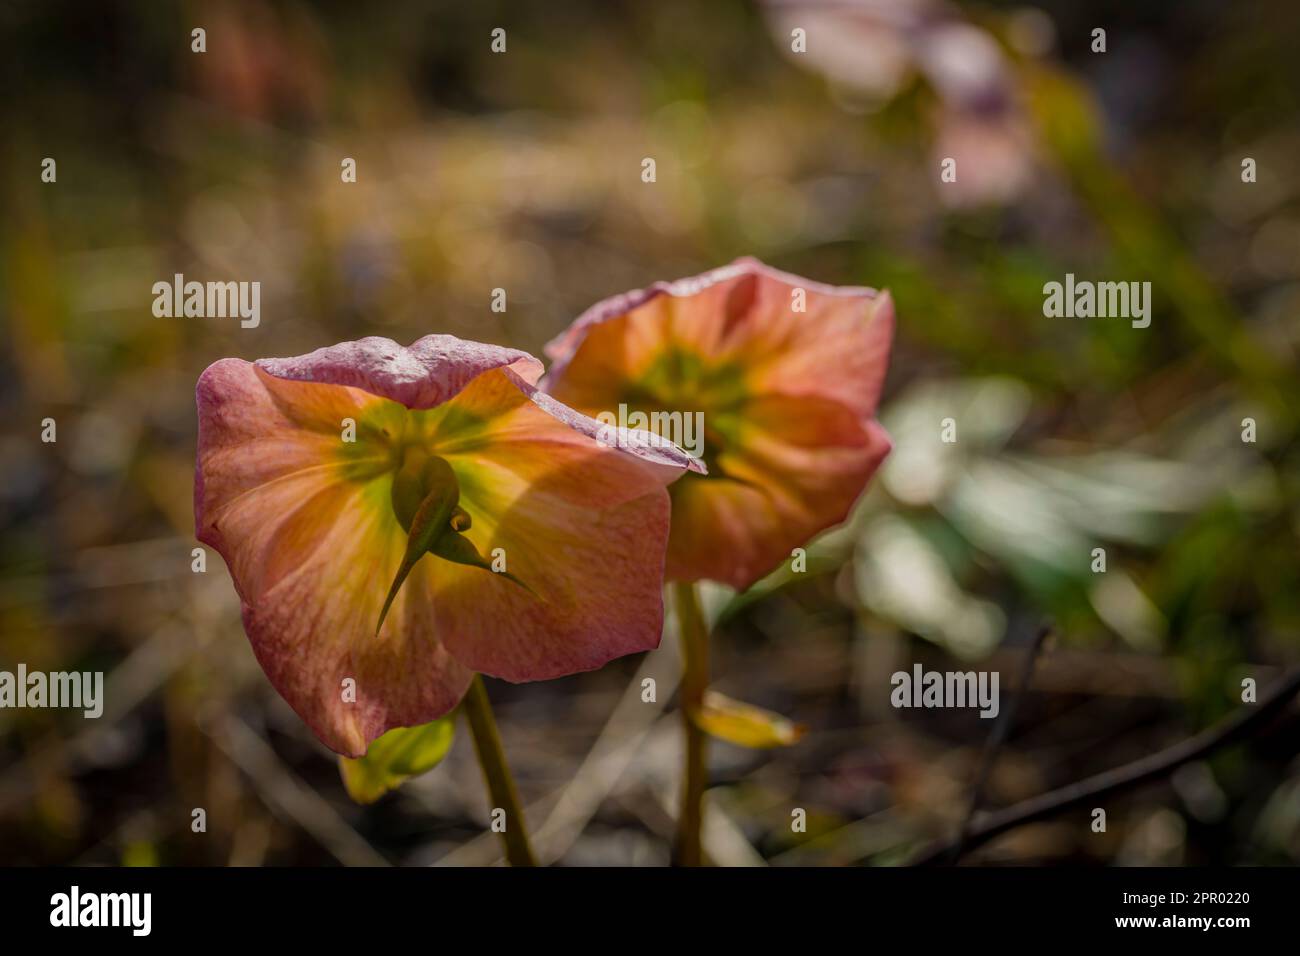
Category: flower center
[680,382]
[426,502]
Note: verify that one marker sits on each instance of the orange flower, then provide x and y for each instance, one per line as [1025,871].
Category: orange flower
[532,549]
[786,373]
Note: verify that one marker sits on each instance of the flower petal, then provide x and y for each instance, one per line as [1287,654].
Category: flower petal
[422,375]
[774,495]
[314,631]
[309,543]
[594,579]
[581,525]
[740,314]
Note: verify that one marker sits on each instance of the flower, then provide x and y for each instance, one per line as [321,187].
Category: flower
[318,475]
[786,373]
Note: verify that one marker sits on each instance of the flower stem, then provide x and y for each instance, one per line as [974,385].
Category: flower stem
[496,773]
[695,681]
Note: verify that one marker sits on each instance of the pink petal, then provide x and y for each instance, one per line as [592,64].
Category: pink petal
[310,558]
[422,375]
[743,310]
[582,525]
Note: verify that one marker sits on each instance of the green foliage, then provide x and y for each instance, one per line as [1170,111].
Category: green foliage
[394,758]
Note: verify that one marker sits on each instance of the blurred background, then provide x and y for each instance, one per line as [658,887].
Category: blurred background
[522,170]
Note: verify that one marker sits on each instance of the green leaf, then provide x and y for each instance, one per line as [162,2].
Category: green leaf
[398,755]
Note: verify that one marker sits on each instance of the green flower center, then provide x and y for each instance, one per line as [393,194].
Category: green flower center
[681,382]
[426,502]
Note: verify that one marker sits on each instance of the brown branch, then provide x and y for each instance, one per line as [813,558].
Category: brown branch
[1226,731]
[997,738]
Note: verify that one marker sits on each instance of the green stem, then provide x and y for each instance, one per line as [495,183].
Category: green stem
[496,773]
[695,681]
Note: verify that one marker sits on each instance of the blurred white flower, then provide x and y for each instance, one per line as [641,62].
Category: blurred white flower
[873,47]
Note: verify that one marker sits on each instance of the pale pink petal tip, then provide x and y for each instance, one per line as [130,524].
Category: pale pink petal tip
[422,375]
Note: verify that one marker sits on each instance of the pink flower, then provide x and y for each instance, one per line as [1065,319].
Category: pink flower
[786,374]
[541,549]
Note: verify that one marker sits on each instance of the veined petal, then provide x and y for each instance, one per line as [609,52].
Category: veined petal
[771,497]
[594,584]
[838,349]
[313,632]
[266,449]
[582,525]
